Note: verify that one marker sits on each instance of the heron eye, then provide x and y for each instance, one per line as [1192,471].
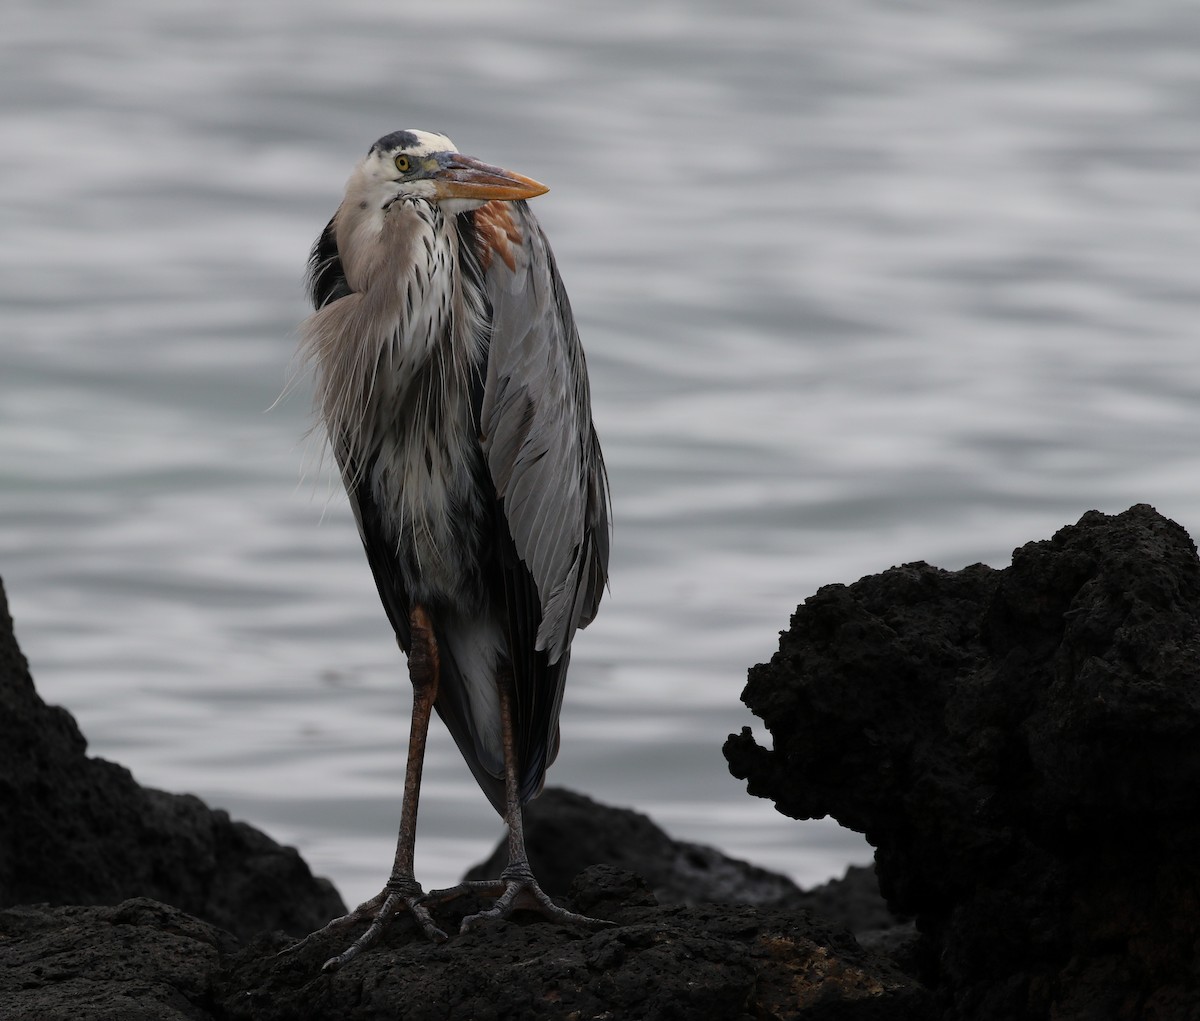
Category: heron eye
[402,164]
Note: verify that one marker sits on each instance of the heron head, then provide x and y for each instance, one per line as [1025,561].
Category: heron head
[422,164]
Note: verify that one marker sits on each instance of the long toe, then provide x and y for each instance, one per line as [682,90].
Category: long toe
[394,904]
[363,913]
[378,912]
[514,892]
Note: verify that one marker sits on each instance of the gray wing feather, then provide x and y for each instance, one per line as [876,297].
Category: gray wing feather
[541,449]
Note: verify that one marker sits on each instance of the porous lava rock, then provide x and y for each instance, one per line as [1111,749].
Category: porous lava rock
[705,963]
[140,960]
[565,832]
[1022,747]
[80,830]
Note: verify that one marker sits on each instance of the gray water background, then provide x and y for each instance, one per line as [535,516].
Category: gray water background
[860,283]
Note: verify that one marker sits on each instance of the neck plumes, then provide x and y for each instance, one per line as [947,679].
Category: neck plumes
[406,335]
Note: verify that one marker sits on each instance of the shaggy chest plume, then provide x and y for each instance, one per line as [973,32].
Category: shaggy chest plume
[395,360]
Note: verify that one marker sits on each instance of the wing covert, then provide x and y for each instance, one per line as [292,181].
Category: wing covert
[537,435]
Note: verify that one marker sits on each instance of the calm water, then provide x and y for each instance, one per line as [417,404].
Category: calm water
[859,285]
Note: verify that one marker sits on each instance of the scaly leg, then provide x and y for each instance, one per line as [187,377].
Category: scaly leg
[516,889]
[402,890]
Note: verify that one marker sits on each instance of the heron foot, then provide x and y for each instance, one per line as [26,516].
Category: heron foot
[403,894]
[515,890]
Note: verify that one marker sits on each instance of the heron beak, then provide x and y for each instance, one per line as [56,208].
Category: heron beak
[462,177]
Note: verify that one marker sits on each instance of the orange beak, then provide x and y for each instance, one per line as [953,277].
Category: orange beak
[462,177]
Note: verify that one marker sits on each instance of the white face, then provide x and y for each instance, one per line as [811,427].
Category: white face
[379,179]
[424,165]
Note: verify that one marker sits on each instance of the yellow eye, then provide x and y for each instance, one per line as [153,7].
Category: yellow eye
[402,163]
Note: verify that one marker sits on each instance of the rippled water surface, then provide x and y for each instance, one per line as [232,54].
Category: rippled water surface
[859,285]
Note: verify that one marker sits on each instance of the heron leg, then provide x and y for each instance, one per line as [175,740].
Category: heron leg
[517,888]
[402,891]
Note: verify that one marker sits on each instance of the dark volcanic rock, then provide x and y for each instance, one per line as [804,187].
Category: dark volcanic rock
[137,961]
[1023,749]
[565,832]
[145,961]
[80,830]
[717,962]
[854,901]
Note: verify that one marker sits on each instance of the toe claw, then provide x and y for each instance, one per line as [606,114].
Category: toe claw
[425,920]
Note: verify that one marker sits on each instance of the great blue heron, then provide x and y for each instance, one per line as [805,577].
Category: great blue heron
[452,385]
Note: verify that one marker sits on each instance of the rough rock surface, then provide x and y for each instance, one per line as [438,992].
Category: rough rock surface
[566,831]
[80,830]
[136,961]
[1022,746]
[704,963]
[145,961]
